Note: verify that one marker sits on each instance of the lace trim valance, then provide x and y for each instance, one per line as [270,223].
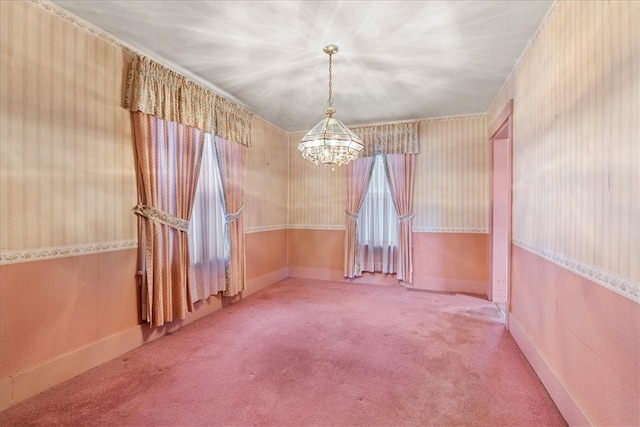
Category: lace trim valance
[158,91]
[391,138]
[233,122]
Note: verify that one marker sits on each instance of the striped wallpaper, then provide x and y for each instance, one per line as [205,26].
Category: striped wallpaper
[266,183]
[67,79]
[67,182]
[576,151]
[452,181]
[67,176]
[452,176]
[317,194]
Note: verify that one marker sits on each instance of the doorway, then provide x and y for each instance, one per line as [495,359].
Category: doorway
[501,182]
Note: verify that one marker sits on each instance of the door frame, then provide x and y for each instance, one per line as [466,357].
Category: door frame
[502,129]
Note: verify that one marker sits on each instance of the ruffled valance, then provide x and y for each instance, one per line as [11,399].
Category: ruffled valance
[156,90]
[233,122]
[390,138]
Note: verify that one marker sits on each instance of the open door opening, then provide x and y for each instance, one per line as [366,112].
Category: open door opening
[501,177]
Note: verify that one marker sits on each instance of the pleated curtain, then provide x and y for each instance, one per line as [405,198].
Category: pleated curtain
[170,115]
[232,160]
[358,176]
[399,139]
[168,156]
[401,176]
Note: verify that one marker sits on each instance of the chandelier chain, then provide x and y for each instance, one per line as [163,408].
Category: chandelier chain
[330,100]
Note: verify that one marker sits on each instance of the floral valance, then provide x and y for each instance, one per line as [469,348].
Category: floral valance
[161,92]
[232,121]
[156,90]
[390,138]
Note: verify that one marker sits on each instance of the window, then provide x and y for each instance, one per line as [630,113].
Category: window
[206,228]
[378,225]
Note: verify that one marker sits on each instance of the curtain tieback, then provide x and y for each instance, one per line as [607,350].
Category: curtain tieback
[234,216]
[162,217]
[405,217]
[352,215]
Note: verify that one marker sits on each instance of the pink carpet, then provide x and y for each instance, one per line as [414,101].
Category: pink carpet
[314,353]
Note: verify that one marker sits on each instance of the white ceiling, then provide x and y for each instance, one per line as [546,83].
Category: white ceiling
[398,60]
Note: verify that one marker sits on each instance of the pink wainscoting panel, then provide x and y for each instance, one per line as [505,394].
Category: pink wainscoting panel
[589,336]
[451,262]
[319,249]
[266,251]
[53,307]
[266,254]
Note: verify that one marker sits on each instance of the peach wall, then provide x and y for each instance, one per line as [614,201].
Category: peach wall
[451,262]
[68,295]
[316,254]
[317,194]
[587,335]
[67,161]
[451,188]
[438,266]
[575,273]
[266,255]
[265,252]
[49,308]
[575,148]
[266,181]
[452,192]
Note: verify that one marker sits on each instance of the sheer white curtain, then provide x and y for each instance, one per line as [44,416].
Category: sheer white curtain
[378,224]
[206,228]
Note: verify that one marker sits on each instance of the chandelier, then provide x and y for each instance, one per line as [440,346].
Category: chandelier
[330,142]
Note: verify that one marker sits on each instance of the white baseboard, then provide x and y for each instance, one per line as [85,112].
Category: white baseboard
[34,381]
[567,405]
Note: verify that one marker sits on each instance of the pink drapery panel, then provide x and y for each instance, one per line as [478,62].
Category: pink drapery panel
[232,158]
[168,158]
[401,175]
[358,176]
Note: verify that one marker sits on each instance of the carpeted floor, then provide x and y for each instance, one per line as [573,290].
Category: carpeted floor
[314,353]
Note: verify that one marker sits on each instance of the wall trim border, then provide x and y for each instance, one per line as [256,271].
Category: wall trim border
[315,227]
[482,230]
[81,23]
[621,285]
[259,229]
[450,230]
[561,396]
[27,255]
